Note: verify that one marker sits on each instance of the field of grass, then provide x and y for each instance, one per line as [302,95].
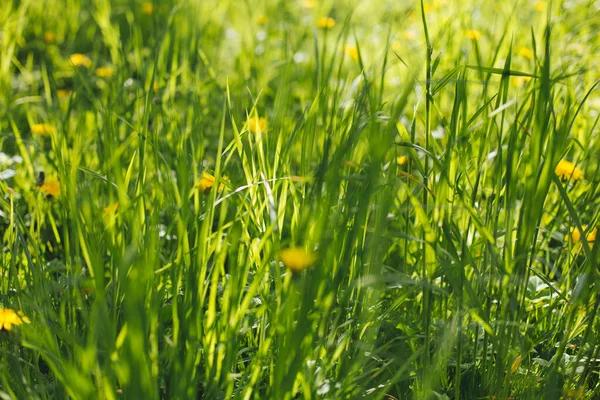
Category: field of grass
[299,199]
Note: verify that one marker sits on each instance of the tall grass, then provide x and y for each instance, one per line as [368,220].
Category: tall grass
[411,152]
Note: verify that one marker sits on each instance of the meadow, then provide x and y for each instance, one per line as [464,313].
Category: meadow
[299,199]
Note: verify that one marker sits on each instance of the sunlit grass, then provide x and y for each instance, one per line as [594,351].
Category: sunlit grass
[299,199]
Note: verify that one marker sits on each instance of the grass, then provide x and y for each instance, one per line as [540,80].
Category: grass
[240,200]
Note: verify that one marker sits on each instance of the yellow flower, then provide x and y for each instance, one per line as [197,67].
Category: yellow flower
[567,170]
[352,52]
[525,52]
[148,8]
[104,72]
[42,129]
[262,20]
[473,34]
[155,87]
[80,60]
[110,209]
[8,318]
[256,125]
[326,23]
[296,259]
[49,37]
[408,35]
[309,3]
[576,235]
[539,6]
[63,93]
[207,181]
[402,160]
[519,81]
[51,188]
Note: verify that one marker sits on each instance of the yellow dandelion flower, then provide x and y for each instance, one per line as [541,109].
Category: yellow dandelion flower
[539,6]
[80,60]
[10,318]
[110,209]
[402,160]
[148,8]
[326,23]
[104,72]
[49,37]
[567,170]
[262,20]
[576,235]
[207,181]
[63,93]
[352,52]
[525,52]
[519,81]
[43,129]
[472,34]
[409,35]
[51,188]
[256,125]
[310,4]
[296,259]
[155,87]
[396,47]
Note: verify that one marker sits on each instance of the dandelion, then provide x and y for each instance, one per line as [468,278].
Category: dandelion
[148,8]
[326,23]
[309,4]
[568,171]
[104,72]
[207,181]
[408,35]
[80,60]
[51,188]
[472,34]
[10,318]
[256,125]
[49,37]
[519,81]
[576,235]
[351,51]
[63,93]
[111,209]
[42,129]
[539,6]
[262,20]
[296,259]
[525,52]
[402,160]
